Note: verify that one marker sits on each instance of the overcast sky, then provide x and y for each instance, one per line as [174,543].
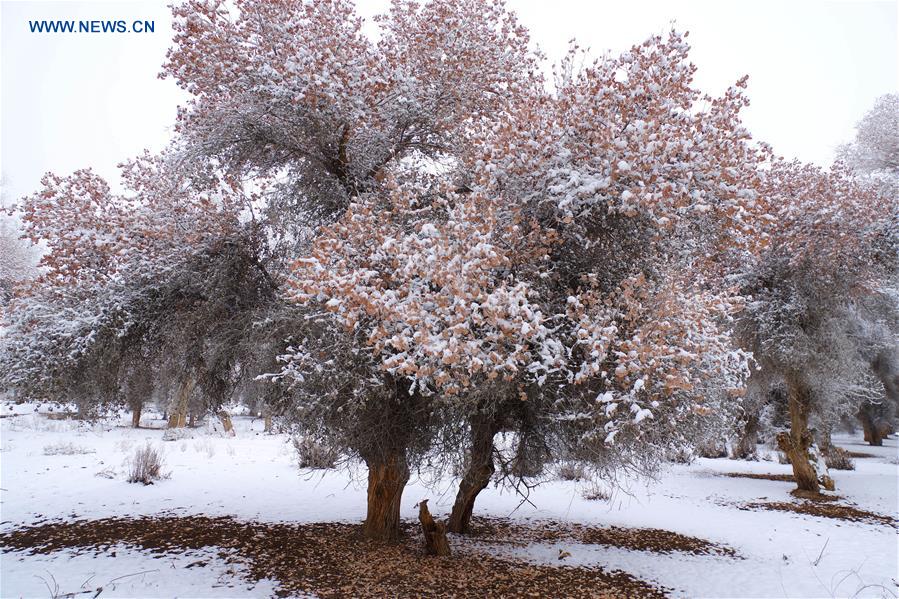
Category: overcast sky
[74,100]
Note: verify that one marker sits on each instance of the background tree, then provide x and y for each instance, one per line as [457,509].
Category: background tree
[17,257]
[831,247]
[874,154]
[119,275]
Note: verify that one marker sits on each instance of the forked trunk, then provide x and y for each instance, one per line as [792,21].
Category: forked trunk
[225,419]
[387,477]
[480,471]
[798,442]
[178,409]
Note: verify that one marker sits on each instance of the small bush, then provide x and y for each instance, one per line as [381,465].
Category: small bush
[681,455]
[712,449]
[205,446]
[596,493]
[146,465]
[839,459]
[107,473]
[177,434]
[571,471]
[67,449]
[314,455]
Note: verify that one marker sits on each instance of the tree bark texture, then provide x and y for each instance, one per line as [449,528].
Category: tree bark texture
[434,532]
[179,408]
[387,477]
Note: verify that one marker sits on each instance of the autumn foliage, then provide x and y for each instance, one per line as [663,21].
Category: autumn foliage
[440,232]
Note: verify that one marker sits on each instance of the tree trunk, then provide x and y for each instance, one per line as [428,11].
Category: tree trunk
[178,411]
[797,442]
[434,532]
[480,471]
[825,441]
[747,446]
[387,477]
[266,413]
[136,408]
[225,418]
[869,426]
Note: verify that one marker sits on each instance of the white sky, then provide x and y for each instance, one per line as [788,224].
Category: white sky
[76,100]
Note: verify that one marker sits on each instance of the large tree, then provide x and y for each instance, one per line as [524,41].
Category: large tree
[566,274]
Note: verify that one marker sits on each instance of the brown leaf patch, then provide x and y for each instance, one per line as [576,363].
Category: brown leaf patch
[824,506]
[638,539]
[333,560]
[860,454]
[785,478]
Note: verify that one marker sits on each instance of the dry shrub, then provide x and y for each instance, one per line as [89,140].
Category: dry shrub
[146,465]
[839,459]
[313,454]
[596,493]
[681,455]
[712,449]
[63,448]
[571,471]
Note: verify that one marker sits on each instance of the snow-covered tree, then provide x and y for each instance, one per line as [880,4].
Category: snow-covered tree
[874,154]
[645,193]
[569,267]
[17,257]
[296,93]
[131,283]
[831,246]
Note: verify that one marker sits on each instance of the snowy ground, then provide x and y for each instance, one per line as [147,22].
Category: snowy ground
[253,477]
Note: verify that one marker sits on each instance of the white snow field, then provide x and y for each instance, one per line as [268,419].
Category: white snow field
[253,476]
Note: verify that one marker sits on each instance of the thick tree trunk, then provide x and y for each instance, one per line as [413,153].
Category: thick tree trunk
[387,477]
[480,471]
[869,426]
[434,532]
[136,409]
[179,407]
[797,443]
[225,419]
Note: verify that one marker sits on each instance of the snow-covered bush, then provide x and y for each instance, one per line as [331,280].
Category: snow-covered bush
[820,300]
